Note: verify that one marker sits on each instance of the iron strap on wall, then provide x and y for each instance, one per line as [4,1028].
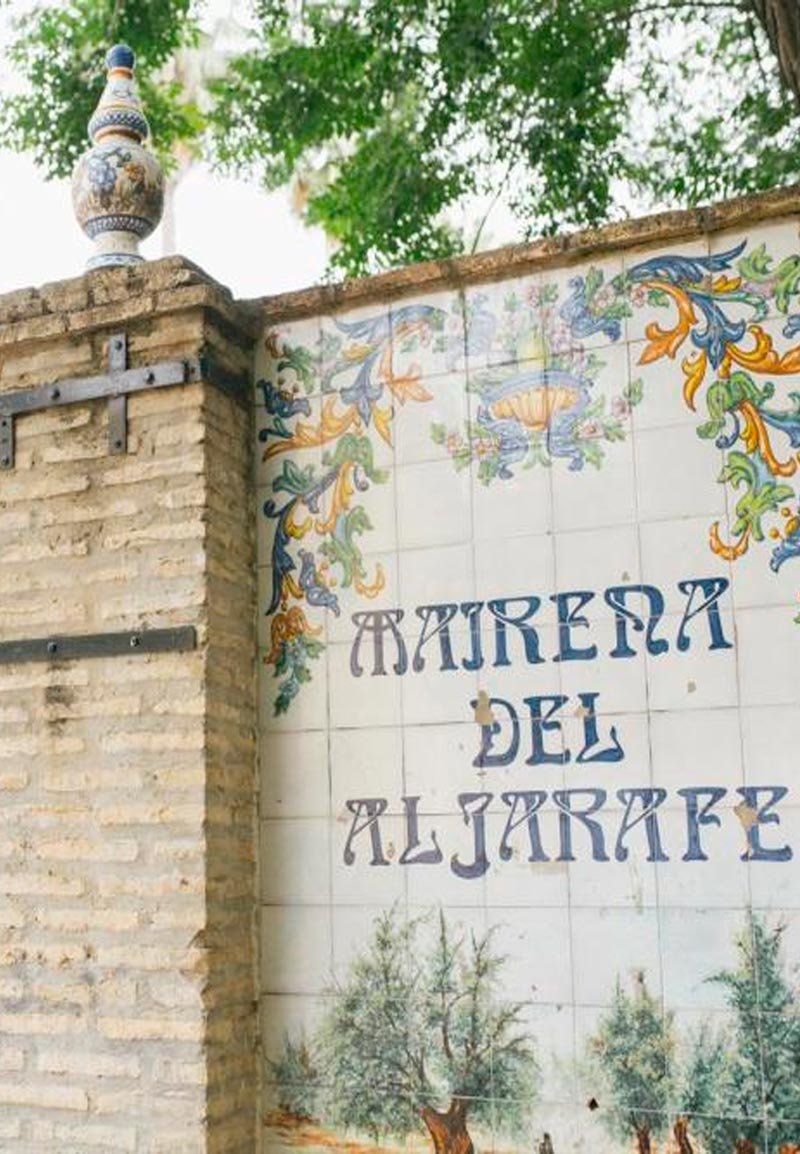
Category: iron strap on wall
[66,648]
[115,386]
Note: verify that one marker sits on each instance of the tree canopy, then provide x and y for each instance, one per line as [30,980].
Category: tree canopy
[390,115]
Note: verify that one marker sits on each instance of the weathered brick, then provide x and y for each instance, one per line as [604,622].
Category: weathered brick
[142,1029]
[109,768]
[45,1094]
[11,1058]
[94,1135]
[91,1064]
[44,884]
[49,1025]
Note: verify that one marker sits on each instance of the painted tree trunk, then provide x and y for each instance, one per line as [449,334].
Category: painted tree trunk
[781,22]
[681,1133]
[745,1146]
[449,1130]
[643,1140]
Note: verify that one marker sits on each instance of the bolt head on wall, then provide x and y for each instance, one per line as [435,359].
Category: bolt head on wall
[118,186]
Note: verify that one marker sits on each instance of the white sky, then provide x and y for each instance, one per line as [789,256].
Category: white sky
[248,240]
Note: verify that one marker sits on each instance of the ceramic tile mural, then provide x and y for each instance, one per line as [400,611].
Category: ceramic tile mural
[530,712]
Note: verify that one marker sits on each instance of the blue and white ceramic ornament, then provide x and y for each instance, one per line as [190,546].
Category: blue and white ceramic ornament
[118,186]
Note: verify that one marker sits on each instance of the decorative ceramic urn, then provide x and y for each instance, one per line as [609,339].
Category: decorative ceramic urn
[118,186]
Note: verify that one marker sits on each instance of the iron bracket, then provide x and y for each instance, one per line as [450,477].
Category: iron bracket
[115,386]
[71,648]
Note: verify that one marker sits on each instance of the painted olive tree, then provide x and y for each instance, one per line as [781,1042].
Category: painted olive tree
[634,1052]
[729,1090]
[747,1079]
[415,1036]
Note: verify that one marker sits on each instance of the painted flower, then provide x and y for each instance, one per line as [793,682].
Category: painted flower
[559,336]
[588,430]
[102,175]
[620,407]
[135,173]
[603,299]
[638,296]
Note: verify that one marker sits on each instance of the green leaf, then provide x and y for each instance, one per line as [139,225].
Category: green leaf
[301,360]
[341,548]
[594,279]
[294,479]
[762,495]
[592,452]
[634,392]
[658,298]
[756,264]
[613,430]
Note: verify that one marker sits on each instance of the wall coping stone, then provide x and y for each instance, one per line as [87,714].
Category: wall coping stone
[519,259]
[108,298]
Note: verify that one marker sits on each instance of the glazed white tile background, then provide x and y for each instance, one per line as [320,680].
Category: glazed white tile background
[447,406]
[294,776]
[430,357]
[700,718]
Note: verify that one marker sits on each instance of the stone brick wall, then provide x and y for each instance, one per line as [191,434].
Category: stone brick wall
[126,960]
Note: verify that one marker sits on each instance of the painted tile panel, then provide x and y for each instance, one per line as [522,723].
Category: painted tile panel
[528,636]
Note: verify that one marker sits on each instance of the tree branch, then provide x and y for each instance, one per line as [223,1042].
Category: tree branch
[688,5]
[780,19]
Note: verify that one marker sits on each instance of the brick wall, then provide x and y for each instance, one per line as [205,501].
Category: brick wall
[126,861]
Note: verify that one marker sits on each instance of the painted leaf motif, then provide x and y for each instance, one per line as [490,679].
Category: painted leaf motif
[762,495]
[593,453]
[342,549]
[301,361]
[788,283]
[756,265]
[294,479]
[634,392]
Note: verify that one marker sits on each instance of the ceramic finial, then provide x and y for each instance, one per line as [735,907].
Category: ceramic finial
[118,186]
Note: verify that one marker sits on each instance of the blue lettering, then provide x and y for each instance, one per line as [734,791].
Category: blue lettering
[710,590]
[697,817]
[473,806]
[623,616]
[758,815]
[569,618]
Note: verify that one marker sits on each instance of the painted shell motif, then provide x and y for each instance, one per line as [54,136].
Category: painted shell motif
[535,407]
[551,400]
